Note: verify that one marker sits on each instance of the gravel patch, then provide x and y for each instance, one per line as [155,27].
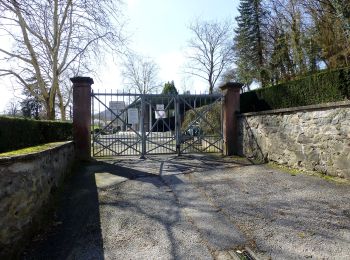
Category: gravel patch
[140,219]
[284,216]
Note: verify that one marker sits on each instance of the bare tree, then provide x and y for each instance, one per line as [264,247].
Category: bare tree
[140,74]
[13,108]
[210,51]
[53,40]
[229,75]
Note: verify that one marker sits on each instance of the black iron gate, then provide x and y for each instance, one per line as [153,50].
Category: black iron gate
[144,124]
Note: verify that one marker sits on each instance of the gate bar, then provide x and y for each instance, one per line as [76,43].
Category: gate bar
[143,146]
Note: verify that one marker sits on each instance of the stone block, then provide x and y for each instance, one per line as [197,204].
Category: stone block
[303,139]
[342,162]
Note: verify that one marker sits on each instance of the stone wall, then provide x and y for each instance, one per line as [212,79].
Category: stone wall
[26,183]
[312,137]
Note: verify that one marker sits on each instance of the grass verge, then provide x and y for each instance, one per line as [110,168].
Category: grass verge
[32,149]
[294,172]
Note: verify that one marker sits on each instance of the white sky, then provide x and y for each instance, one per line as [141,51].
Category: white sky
[158,30]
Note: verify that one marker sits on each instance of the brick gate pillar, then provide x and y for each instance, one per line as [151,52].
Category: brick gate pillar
[231,106]
[82,117]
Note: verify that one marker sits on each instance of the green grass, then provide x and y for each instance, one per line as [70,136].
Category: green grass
[32,149]
[291,171]
[294,172]
[93,127]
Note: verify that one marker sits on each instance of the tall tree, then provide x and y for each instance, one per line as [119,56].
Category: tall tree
[31,107]
[331,19]
[140,74]
[288,38]
[296,34]
[53,41]
[169,88]
[342,11]
[210,51]
[13,108]
[249,42]
[285,37]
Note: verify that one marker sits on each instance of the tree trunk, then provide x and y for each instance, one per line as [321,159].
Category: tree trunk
[211,87]
[52,114]
[61,105]
[50,110]
[259,46]
[63,113]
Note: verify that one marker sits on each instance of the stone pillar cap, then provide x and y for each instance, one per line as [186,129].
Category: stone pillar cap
[231,85]
[87,80]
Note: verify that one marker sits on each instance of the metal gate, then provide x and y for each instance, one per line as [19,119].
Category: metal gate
[144,124]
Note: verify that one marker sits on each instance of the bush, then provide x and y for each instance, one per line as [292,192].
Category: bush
[213,116]
[16,133]
[322,87]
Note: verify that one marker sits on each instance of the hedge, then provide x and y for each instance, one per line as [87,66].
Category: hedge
[322,87]
[16,133]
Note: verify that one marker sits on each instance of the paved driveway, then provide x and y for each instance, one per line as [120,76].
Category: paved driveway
[196,207]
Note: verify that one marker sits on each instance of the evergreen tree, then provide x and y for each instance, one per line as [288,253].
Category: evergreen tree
[249,42]
[169,88]
[278,40]
[31,106]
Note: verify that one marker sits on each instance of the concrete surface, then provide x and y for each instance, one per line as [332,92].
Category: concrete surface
[196,207]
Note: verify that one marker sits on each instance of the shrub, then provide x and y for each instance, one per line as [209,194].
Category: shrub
[322,87]
[16,133]
[212,116]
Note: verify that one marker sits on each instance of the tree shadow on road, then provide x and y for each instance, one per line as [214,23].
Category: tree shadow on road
[76,231]
[146,206]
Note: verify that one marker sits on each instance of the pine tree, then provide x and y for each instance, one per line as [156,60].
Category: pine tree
[169,88]
[249,43]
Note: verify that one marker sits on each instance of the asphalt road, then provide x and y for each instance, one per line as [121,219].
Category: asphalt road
[196,207]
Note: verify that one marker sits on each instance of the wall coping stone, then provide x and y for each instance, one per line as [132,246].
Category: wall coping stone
[80,81]
[289,110]
[31,156]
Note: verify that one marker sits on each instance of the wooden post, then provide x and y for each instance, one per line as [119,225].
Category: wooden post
[231,106]
[82,117]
